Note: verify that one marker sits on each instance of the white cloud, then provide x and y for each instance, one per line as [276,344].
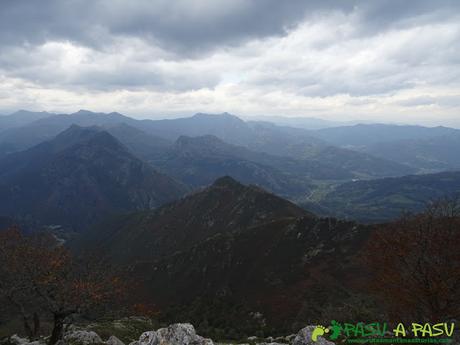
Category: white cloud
[323,67]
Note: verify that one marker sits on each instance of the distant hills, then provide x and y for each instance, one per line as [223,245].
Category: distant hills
[363,135]
[312,123]
[78,178]
[199,161]
[264,137]
[19,138]
[428,155]
[422,148]
[385,199]
[305,166]
[21,118]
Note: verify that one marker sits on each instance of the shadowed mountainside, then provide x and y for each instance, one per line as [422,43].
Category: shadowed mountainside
[237,245]
[78,178]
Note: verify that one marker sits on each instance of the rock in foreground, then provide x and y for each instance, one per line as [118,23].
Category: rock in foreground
[176,334]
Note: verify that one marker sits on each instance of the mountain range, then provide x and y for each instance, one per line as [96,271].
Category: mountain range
[78,178]
[425,149]
[369,134]
[259,136]
[310,167]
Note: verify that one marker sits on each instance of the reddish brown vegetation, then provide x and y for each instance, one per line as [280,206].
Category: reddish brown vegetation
[415,264]
[38,275]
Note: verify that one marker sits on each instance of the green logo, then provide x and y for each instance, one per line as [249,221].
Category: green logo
[380,333]
[335,328]
[318,331]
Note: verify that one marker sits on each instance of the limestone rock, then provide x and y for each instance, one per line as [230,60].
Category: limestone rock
[148,338]
[17,340]
[181,334]
[113,340]
[176,334]
[82,337]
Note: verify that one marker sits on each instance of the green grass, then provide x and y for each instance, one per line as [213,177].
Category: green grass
[126,329]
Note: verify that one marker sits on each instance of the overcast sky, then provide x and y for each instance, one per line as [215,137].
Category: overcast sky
[381,60]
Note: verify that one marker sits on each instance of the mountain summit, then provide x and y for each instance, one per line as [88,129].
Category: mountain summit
[78,178]
[225,206]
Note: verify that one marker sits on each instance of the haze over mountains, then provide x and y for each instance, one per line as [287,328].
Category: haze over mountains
[427,149]
[186,154]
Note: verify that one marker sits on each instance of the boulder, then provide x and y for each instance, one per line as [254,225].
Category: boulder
[113,340]
[17,340]
[176,334]
[148,338]
[82,337]
[181,334]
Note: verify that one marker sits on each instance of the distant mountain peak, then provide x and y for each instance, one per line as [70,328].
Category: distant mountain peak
[224,115]
[84,111]
[226,181]
[75,129]
[81,176]
[93,135]
[227,206]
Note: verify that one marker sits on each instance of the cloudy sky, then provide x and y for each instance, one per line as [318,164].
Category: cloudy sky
[382,60]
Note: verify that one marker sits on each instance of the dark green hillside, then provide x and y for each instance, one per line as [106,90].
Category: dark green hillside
[385,199]
[232,249]
[226,206]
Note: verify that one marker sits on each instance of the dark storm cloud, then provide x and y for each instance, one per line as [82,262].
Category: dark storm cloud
[187,26]
[380,15]
[181,25]
[191,27]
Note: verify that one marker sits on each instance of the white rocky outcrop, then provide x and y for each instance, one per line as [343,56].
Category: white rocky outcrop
[147,338]
[82,337]
[176,334]
[16,340]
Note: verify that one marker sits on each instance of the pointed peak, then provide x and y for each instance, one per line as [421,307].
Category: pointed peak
[84,111]
[226,181]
